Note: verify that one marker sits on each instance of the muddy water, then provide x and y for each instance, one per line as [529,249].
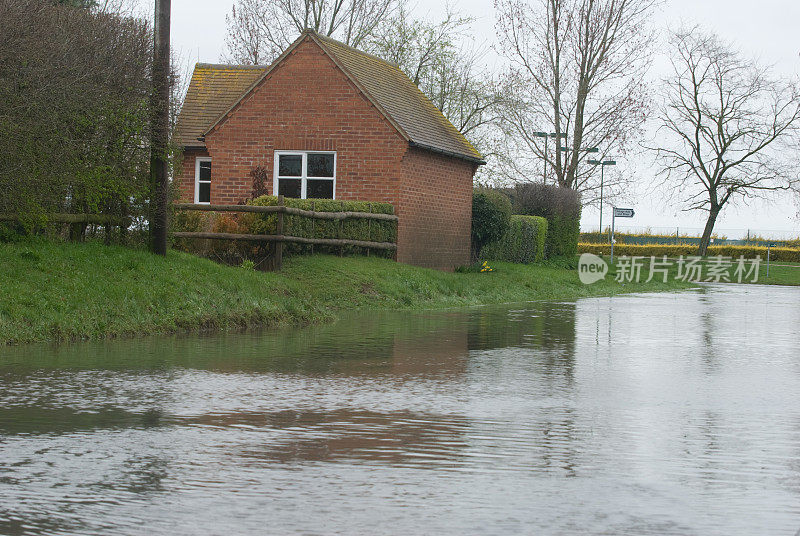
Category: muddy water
[647,414]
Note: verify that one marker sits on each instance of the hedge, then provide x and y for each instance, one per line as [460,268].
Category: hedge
[266,224]
[683,239]
[748,252]
[562,209]
[562,236]
[524,241]
[491,217]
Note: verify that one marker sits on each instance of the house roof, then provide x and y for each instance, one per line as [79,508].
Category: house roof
[220,88]
[212,91]
[424,124]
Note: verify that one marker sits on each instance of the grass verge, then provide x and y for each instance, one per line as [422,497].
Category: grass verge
[55,291]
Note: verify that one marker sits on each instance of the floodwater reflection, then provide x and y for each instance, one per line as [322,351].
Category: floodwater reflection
[646,414]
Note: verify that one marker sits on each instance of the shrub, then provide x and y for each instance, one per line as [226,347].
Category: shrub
[562,209]
[190,221]
[524,241]
[261,179]
[687,250]
[229,250]
[491,217]
[74,86]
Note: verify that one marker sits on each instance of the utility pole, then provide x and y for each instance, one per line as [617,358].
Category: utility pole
[545,135]
[159,126]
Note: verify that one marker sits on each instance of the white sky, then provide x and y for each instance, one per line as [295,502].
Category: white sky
[766,29]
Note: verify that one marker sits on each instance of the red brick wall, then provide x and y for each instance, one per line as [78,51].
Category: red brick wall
[185,176]
[307,103]
[435,211]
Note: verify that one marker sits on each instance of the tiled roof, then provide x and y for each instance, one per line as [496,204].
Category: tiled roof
[402,100]
[212,91]
[215,90]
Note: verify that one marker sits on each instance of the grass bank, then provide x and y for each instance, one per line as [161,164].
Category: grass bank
[54,291]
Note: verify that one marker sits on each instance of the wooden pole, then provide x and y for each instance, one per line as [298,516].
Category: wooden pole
[339,236]
[279,232]
[369,228]
[159,125]
[313,225]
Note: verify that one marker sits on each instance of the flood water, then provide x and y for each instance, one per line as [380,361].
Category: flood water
[644,414]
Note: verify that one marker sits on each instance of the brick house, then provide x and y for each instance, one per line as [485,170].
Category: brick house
[328,121]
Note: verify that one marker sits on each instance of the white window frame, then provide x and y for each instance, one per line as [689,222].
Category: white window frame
[303,171]
[197,180]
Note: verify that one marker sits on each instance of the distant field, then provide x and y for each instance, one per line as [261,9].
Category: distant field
[780,273]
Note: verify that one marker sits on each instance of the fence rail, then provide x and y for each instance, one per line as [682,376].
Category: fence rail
[71,218]
[284,238]
[282,209]
[279,239]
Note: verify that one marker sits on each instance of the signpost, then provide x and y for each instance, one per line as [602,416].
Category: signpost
[618,213]
[769,250]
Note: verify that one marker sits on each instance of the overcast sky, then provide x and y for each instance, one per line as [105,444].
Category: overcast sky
[766,29]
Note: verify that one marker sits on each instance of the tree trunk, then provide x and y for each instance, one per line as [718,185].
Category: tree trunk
[709,229]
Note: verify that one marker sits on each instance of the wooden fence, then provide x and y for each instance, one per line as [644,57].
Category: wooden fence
[279,238]
[77,222]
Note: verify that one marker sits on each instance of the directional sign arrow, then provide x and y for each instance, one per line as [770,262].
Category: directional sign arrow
[624,213]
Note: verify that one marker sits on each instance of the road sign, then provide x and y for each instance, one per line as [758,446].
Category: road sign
[623,213]
[618,213]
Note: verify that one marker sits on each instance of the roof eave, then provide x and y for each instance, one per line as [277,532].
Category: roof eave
[451,154]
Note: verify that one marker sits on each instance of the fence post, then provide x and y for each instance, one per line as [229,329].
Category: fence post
[769,248]
[313,224]
[279,232]
[369,229]
[341,223]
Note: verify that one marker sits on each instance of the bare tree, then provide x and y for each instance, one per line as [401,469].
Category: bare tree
[259,30]
[576,75]
[438,58]
[728,128]
[435,55]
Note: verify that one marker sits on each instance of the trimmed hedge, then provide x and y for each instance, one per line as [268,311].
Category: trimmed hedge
[524,242]
[562,209]
[683,239]
[252,223]
[749,252]
[562,236]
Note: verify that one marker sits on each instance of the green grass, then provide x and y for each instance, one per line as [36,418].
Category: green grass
[781,273]
[55,291]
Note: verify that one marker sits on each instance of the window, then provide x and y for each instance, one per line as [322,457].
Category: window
[305,175]
[202,181]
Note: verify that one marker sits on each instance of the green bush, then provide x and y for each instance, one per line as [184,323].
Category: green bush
[562,209]
[748,252]
[524,241]
[491,217]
